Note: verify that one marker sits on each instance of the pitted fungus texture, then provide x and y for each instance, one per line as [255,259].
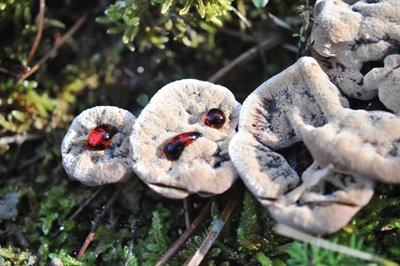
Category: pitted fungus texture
[98,167]
[176,113]
[357,45]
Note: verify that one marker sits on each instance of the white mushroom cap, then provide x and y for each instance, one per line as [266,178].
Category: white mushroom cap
[325,205]
[365,144]
[352,42]
[268,125]
[389,88]
[204,166]
[98,167]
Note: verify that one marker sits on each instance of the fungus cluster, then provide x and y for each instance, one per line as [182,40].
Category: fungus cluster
[177,146]
[357,45]
[299,147]
[305,192]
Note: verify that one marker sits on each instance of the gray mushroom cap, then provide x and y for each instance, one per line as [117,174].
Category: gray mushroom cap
[365,144]
[268,125]
[265,125]
[323,205]
[98,167]
[352,42]
[204,166]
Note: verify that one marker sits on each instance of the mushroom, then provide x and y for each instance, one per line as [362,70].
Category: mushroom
[324,202]
[357,45]
[180,140]
[95,150]
[317,199]
[365,144]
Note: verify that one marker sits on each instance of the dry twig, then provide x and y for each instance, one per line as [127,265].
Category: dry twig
[42,7]
[204,214]
[218,224]
[81,207]
[90,236]
[55,48]
[19,139]
[267,44]
[131,245]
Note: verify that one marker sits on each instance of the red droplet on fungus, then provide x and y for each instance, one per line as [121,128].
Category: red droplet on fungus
[215,118]
[175,146]
[100,137]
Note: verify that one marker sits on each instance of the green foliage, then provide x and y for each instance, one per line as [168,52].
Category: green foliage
[306,254]
[260,3]
[57,203]
[305,13]
[9,257]
[263,260]
[170,20]
[93,68]
[248,233]
[157,241]
[63,257]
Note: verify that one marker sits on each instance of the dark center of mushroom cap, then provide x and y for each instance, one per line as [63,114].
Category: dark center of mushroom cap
[215,118]
[175,146]
[100,137]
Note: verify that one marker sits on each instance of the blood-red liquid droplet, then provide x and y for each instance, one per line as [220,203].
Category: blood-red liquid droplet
[100,137]
[175,146]
[215,118]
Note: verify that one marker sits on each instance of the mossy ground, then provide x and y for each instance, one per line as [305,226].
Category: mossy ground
[94,68]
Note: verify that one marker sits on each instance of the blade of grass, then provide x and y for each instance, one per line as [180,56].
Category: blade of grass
[319,242]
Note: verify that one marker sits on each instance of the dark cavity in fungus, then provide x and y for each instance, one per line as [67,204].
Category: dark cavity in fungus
[175,146]
[215,118]
[100,137]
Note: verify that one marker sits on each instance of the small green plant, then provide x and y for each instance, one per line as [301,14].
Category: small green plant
[170,20]
[306,254]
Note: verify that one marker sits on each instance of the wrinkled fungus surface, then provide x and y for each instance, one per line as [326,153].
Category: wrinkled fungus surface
[357,45]
[314,198]
[176,116]
[95,150]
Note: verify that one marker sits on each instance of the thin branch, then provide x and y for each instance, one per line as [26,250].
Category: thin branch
[241,17]
[131,245]
[42,7]
[54,49]
[271,42]
[218,224]
[19,139]
[81,207]
[204,214]
[111,228]
[90,236]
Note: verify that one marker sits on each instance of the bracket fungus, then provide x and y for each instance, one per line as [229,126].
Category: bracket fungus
[357,45]
[95,150]
[180,140]
[305,195]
